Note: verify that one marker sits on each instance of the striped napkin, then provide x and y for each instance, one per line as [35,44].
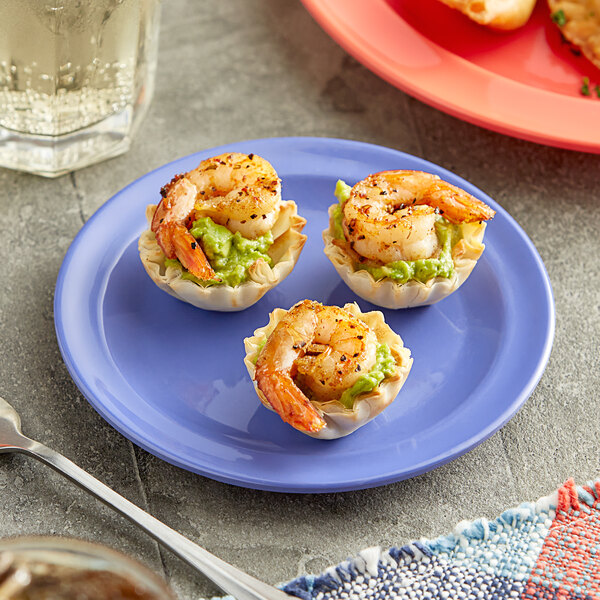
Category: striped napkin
[544,550]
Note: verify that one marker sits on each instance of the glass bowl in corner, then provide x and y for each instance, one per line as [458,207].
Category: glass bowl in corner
[57,568]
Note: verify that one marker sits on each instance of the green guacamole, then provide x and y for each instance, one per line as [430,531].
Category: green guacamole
[404,270]
[342,193]
[384,367]
[230,254]
[261,345]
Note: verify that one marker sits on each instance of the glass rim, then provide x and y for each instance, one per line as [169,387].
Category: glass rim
[30,544]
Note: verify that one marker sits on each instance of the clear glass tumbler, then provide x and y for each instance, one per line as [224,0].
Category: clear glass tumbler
[76,78]
[55,568]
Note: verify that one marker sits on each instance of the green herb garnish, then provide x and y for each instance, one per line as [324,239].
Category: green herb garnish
[585,87]
[559,18]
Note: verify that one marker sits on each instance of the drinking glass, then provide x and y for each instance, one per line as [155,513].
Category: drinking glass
[57,568]
[76,78]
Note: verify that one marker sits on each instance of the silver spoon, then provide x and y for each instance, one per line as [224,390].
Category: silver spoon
[233,581]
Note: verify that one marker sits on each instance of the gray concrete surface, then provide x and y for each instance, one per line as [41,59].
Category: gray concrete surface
[244,69]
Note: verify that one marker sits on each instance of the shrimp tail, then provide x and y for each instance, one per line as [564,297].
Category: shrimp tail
[164,240]
[288,401]
[189,252]
[457,205]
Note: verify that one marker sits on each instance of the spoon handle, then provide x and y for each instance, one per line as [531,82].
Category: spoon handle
[233,581]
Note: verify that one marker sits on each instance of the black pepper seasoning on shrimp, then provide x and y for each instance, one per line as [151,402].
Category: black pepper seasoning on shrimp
[216,189]
[320,348]
[381,227]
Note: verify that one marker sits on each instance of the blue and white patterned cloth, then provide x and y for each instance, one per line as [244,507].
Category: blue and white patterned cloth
[546,550]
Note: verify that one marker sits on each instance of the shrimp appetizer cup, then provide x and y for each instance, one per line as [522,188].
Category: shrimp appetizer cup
[326,370]
[221,236]
[404,238]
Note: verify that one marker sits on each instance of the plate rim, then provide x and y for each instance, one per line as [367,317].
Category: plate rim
[303,487]
[552,132]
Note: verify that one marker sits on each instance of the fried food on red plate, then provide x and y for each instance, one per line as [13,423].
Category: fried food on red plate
[579,22]
[497,14]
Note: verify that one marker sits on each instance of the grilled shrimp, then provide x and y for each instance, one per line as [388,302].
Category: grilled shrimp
[391,215]
[240,191]
[321,348]
[170,227]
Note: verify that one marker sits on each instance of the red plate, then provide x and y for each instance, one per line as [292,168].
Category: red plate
[523,83]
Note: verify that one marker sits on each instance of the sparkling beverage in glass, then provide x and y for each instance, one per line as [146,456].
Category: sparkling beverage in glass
[76,77]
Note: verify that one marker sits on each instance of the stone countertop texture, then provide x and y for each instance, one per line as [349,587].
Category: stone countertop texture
[243,69]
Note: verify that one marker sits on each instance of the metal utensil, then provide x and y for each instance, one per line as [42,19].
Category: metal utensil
[233,581]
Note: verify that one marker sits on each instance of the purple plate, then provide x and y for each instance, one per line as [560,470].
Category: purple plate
[170,377]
